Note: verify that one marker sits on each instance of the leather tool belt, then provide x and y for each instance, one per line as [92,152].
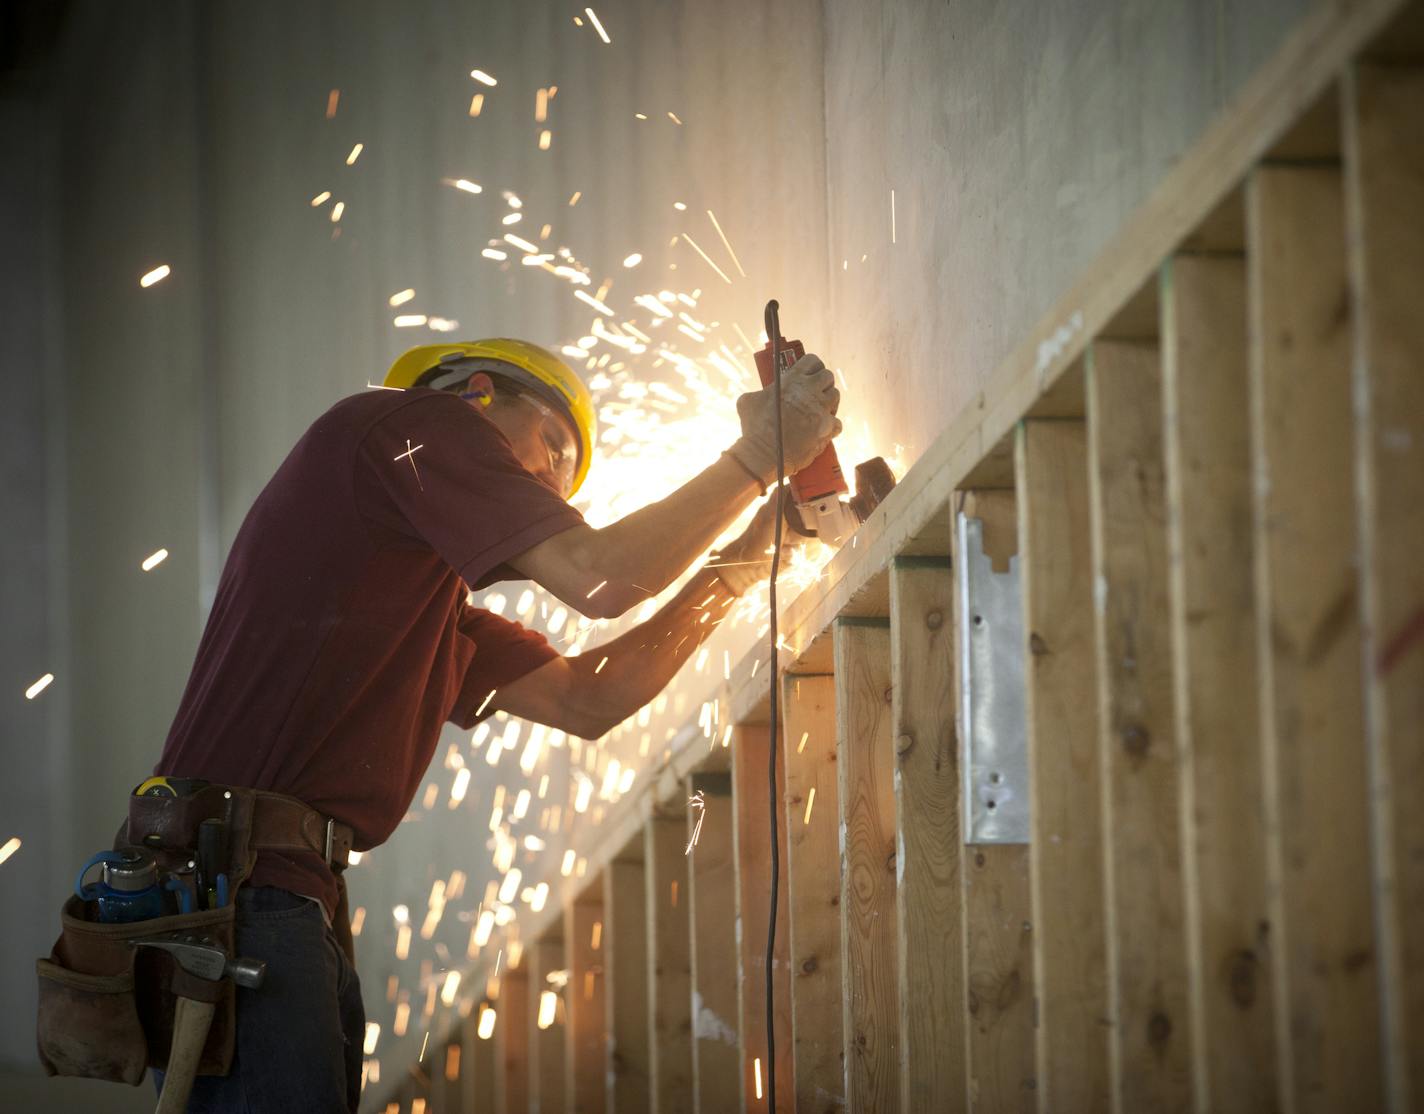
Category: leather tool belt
[106,1005]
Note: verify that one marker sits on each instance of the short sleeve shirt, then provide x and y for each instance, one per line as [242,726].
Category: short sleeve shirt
[340,638]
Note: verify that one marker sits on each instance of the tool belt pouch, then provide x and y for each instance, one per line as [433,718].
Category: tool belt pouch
[106,1005]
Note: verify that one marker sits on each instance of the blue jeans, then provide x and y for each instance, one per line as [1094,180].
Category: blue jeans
[299,1035]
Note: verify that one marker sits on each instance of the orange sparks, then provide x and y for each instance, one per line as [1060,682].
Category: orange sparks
[597,25]
[673,117]
[485,703]
[158,274]
[546,137]
[802,744]
[477,104]
[355,154]
[321,199]
[810,803]
[541,106]
[726,243]
[483,78]
[332,100]
[11,846]
[39,686]
[574,200]
[599,667]
[721,273]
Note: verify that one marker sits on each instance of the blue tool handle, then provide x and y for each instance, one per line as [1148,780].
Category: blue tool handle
[222,890]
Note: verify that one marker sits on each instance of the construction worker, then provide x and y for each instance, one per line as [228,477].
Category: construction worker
[341,639]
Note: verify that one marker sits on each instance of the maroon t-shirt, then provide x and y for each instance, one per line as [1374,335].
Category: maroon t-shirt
[340,639]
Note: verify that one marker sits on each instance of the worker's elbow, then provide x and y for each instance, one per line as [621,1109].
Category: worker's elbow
[589,725]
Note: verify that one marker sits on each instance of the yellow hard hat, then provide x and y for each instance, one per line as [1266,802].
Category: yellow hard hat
[543,372]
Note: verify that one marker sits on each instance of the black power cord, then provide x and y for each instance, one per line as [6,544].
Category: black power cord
[773,334]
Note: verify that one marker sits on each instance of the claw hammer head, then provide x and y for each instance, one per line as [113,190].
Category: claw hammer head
[202,958]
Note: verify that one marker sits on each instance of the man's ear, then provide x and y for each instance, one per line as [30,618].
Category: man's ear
[479,389]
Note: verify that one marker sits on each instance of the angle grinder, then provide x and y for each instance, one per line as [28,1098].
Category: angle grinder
[816,509]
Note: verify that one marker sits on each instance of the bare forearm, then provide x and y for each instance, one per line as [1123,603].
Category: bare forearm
[643,553]
[641,662]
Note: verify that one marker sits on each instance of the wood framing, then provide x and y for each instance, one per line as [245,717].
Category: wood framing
[586,1032]
[865,762]
[1147,979]
[813,888]
[625,965]
[752,846]
[997,908]
[1066,842]
[669,981]
[1213,615]
[1207,457]
[479,1068]
[930,974]
[548,1041]
[1384,164]
[712,882]
[1308,641]
[511,1036]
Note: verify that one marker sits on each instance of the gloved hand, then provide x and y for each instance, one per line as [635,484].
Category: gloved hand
[747,560]
[808,420]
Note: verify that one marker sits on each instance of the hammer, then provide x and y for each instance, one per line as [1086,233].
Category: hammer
[203,959]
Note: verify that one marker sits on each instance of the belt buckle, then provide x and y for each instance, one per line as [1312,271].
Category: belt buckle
[330,838]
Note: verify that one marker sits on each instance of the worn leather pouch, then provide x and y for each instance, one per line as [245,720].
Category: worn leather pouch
[106,1005]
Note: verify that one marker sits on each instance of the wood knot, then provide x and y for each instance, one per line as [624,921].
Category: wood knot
[1036,645]
[1241,978]
[889,693]
[809,966]
[978,858]
[935,619]
[1135,739]
[1159,1028]
[904,744]
[890,862]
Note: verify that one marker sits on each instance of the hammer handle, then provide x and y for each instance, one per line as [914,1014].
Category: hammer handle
[191,1021]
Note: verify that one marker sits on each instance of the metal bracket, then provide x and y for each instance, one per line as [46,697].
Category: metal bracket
[993,715]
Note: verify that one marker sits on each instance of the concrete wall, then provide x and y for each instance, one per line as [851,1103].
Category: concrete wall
[1017,137]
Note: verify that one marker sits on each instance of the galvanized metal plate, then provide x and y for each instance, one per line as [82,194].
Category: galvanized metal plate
[992,709]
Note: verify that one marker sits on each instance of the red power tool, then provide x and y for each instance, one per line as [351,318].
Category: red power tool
[816,490]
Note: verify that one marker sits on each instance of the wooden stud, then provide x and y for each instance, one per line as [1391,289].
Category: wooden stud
[511,1036]
[548,1071]
[669,963]
[1147,980]
[478,1069]
[997,926]
[929,839]
[1206,431]
[712,909]
[752,849]
[625,965]
[813,889]
[1308,642]
[587,1037]
[865,760]
[1066,843]
[1384,164]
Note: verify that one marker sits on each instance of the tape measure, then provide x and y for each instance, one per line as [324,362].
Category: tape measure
[170,786]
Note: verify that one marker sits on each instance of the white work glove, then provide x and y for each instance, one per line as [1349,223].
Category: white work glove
[747,560]
[808,420]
